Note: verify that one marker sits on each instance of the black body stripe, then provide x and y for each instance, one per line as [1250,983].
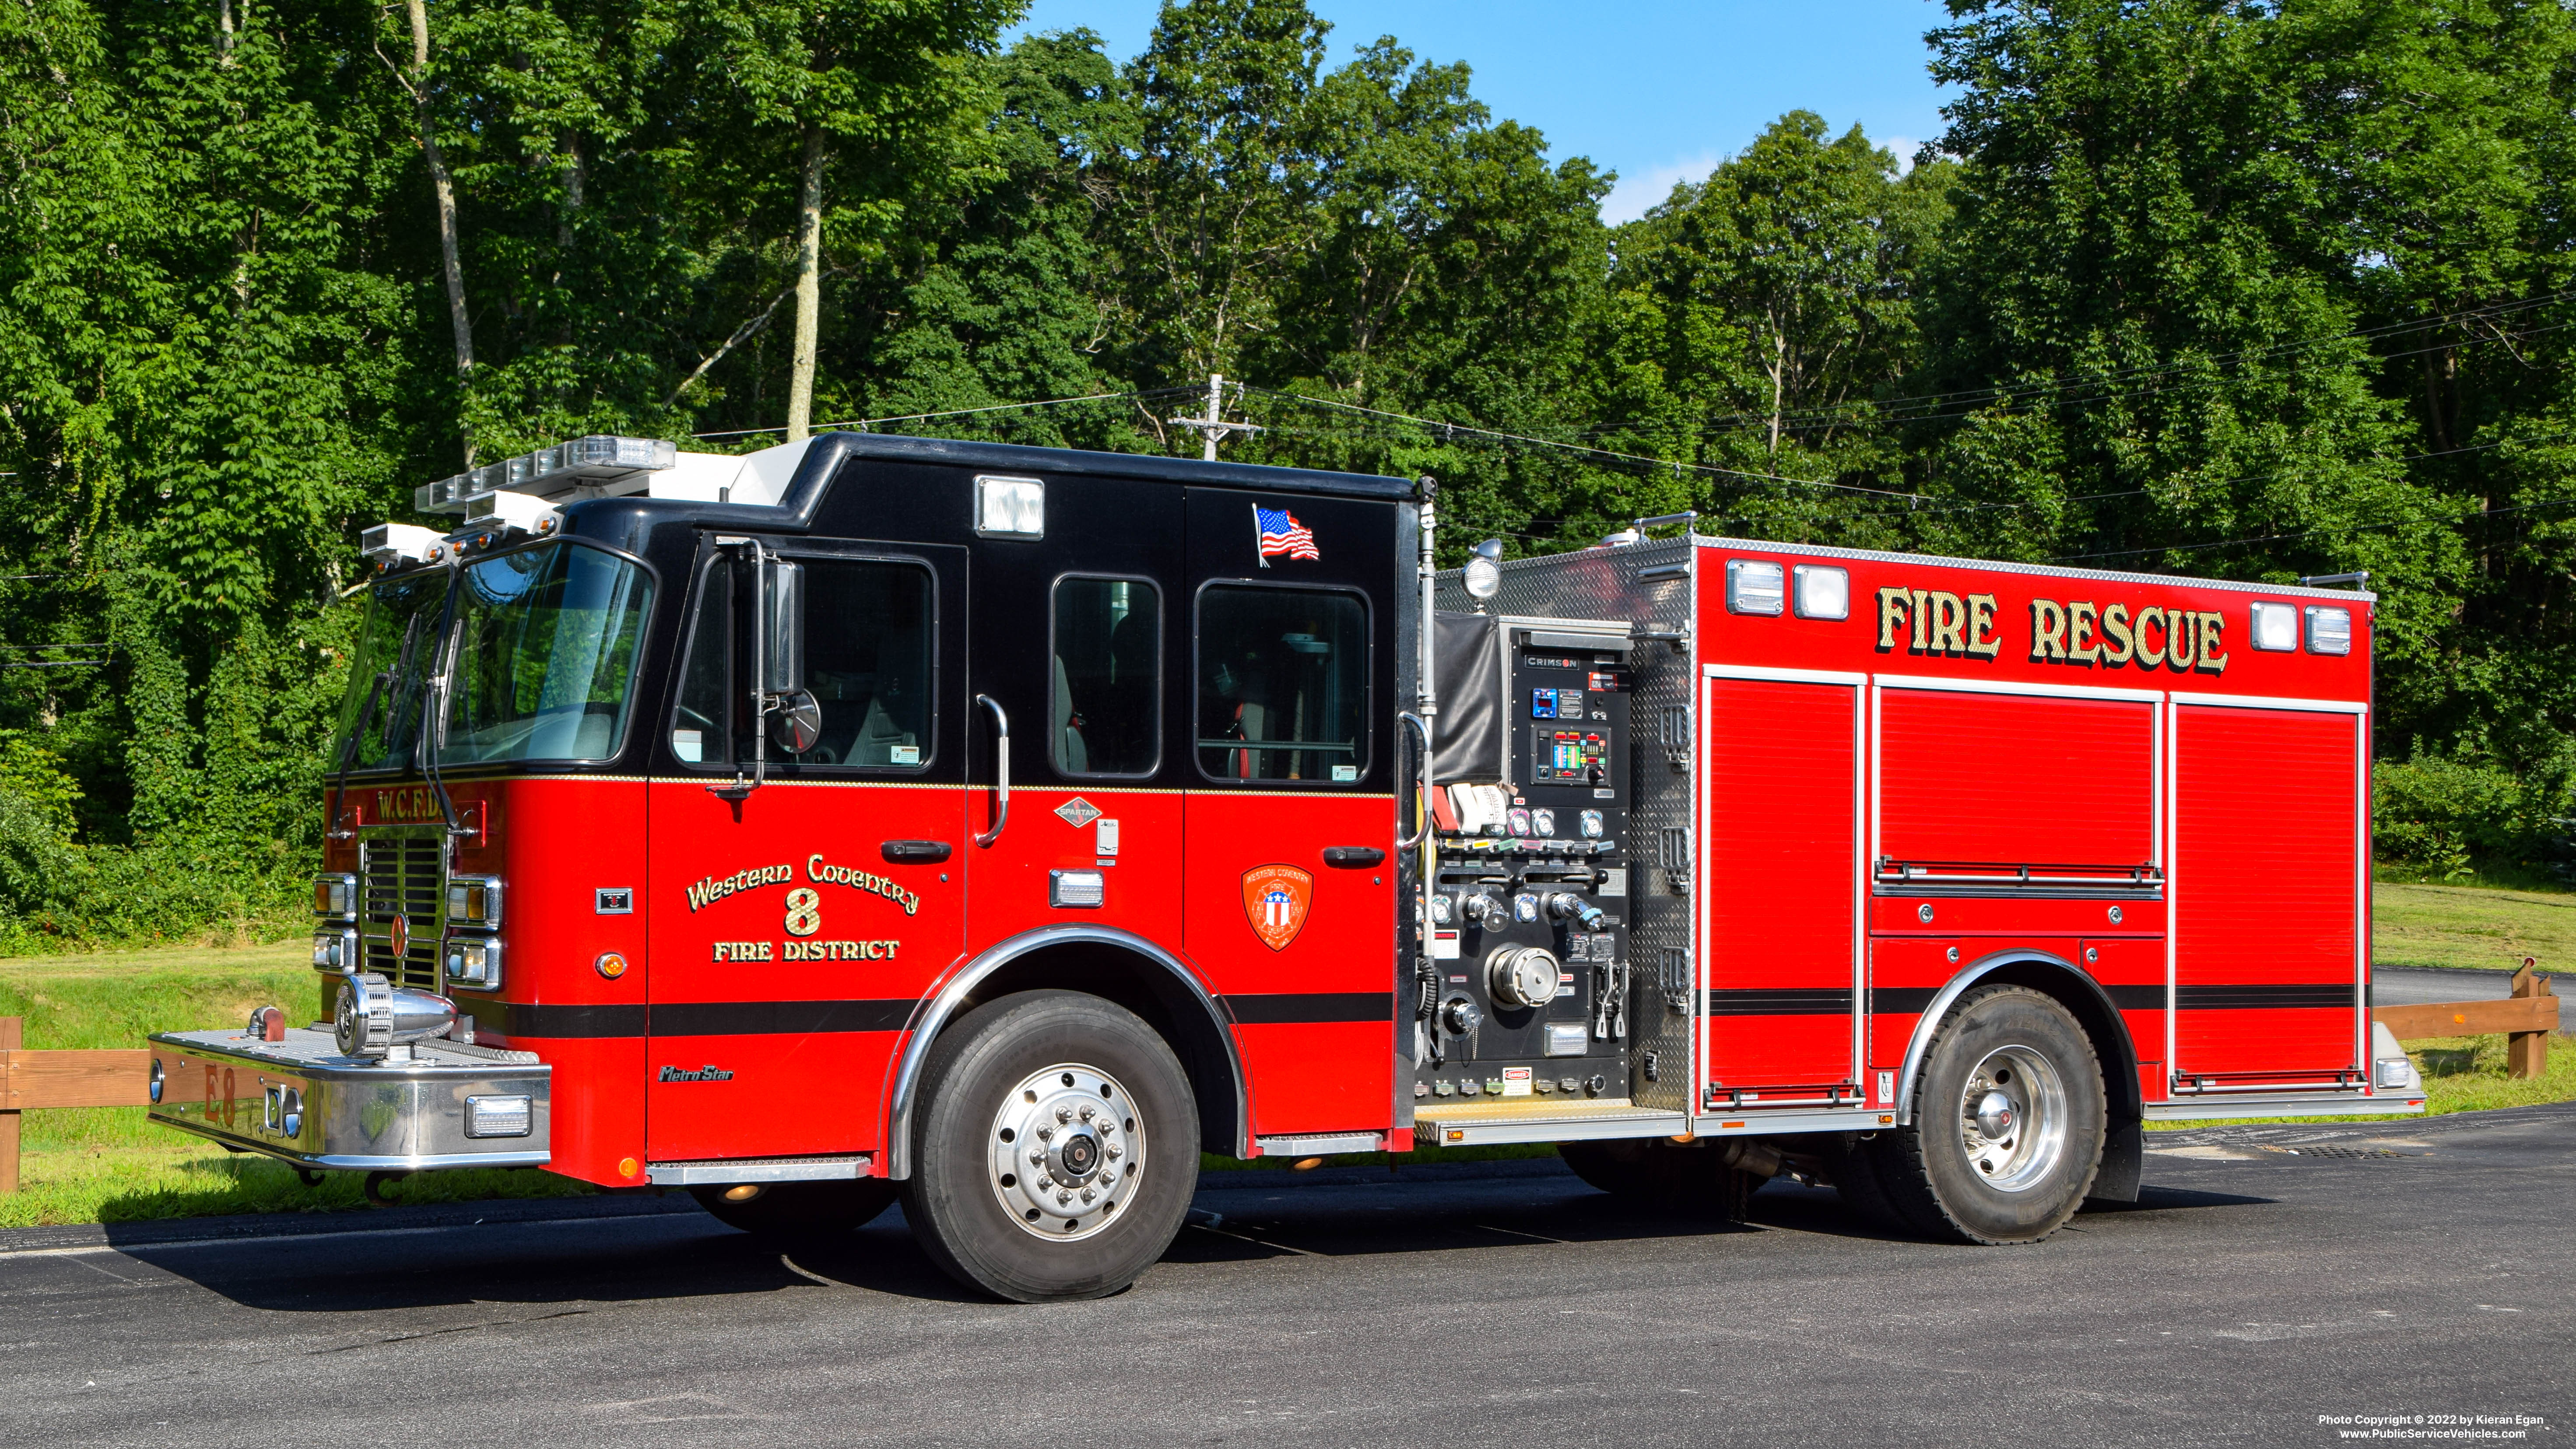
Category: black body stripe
[688,1018]
[1901,1000]
[519,1019]
[1794,1001]
[1289,1007]
[2136,998]
[772,1018]
[2242,998]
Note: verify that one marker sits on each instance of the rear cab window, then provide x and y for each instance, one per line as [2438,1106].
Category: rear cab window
[1283,678]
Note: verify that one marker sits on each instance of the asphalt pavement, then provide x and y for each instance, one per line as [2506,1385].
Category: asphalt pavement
[2270,1276]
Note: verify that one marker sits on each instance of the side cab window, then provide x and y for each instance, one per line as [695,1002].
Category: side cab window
[868,657]
[1105,701]
[1282,684]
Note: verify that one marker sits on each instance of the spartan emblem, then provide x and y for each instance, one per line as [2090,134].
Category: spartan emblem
[1274,901]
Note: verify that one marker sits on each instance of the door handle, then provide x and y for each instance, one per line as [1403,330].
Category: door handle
[1001,769]
[914,852]
[1352,857]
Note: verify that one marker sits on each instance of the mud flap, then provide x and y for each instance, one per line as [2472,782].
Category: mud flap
[2124,1150]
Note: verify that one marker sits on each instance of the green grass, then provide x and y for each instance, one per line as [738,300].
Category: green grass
[2461,1074]
[2487,927]
[111,1164]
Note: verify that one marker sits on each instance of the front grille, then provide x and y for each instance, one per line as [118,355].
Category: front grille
[401,876]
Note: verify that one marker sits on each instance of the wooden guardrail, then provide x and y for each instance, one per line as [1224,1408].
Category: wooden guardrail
[32,1081]
[2525,1018]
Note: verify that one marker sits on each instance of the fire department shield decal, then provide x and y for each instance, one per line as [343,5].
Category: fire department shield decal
[1274,901]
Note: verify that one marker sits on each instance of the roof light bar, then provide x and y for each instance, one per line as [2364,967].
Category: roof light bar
[602,465]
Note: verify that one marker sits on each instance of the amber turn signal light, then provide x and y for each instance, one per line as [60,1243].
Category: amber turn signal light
[611,965]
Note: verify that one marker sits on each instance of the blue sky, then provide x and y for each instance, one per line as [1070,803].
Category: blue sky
[1656,90]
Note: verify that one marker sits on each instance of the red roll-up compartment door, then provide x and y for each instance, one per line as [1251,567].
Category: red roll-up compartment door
[2267,881]
[2015,780]
[1781,867]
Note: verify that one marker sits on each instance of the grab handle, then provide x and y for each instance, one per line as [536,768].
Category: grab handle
[1001,769]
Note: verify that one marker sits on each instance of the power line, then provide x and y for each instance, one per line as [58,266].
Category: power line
[864,424]
[1448,430]
[1974,395]
[2456,518]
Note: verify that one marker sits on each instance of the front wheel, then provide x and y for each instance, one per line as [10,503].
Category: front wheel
[1055,1149]
[2008,1122]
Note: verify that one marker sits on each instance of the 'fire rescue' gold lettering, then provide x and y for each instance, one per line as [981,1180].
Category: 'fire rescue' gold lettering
[2117,642]
[2081,646]
[1938,622]
[2185,641]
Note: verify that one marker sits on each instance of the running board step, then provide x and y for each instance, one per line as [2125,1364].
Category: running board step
[1488,1124]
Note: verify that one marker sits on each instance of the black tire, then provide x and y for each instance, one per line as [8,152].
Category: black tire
[797,1210]
[1657,1172]
[1926,1171]
[956,1199]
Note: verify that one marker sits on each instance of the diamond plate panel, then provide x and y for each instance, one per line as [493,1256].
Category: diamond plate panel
[1648,584]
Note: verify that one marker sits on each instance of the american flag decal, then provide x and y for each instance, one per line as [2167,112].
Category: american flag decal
[1282,535]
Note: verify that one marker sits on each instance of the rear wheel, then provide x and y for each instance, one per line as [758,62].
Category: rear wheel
[2008,1122]
[1055,1149]
[797,1209]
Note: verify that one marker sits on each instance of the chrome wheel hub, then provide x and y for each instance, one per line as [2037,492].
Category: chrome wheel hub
[2012,1119]
[1066,1148]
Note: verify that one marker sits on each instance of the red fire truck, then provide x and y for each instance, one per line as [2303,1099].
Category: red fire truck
[1001,828]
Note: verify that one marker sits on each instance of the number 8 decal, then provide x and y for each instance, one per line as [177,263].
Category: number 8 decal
[804,912]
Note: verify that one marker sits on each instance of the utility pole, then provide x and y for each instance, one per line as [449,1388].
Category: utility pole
[1213,429]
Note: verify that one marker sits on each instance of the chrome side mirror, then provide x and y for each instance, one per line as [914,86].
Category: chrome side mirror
[782,645]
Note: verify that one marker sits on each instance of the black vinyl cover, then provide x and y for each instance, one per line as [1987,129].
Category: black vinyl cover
[1467,670]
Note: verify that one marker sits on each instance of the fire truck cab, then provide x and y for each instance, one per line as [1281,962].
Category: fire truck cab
[1001,828]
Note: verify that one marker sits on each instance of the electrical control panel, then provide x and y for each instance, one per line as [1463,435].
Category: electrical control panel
[1526,984]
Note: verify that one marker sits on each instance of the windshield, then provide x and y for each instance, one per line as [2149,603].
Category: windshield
[398,641]
[546,640]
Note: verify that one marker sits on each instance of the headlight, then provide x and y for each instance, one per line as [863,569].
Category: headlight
[474,900]
[335,895]
[335,950]
[474,962]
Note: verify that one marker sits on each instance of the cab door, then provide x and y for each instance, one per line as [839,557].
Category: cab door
[1291,760]
[794,928]
[1075,647]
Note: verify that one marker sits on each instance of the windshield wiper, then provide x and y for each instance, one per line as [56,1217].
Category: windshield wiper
[366,716]
[349,754]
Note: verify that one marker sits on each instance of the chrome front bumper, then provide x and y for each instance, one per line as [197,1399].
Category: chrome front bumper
[301,1100]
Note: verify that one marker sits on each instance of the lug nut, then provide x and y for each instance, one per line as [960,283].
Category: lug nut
[1064,1114]
[1045,1132]
[1088,1112]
